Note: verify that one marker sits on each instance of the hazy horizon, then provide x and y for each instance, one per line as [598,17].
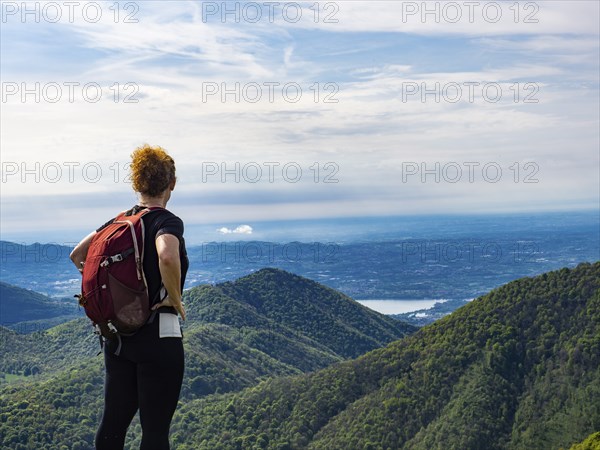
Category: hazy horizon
[341,230]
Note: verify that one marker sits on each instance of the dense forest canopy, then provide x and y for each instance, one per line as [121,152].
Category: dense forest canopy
[517,368]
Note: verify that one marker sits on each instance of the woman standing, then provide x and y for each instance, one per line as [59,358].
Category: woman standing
[148,371]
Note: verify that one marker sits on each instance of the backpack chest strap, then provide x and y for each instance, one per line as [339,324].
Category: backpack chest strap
[116,258]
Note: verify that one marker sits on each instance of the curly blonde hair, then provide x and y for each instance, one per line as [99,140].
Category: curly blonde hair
[152,170]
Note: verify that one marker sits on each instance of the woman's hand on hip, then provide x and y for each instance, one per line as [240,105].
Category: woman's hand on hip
[168,301]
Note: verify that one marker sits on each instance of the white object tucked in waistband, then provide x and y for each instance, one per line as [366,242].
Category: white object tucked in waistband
[169,325]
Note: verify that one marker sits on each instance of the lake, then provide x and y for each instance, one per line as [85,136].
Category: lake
[399,306]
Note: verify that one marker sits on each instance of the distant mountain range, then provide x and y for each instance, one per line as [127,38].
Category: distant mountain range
[430,258]
[267,367]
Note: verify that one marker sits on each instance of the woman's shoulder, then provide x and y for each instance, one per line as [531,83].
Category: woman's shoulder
[164,214]
[162,220]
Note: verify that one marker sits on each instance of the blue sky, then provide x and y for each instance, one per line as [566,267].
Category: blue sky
[375,151]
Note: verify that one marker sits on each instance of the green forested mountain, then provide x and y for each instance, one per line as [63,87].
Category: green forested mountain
[515,369]
[327,316]
[591,443]
[46,352]
[20,305]
[230,344]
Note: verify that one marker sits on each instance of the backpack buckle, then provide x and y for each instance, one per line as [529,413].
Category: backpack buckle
[81,299]
[116,258]
[112,259]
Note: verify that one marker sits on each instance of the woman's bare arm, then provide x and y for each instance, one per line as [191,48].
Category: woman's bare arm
[80,251]
[169,264]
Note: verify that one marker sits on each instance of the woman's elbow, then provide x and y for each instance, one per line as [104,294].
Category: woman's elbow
[74,256]
[168,260]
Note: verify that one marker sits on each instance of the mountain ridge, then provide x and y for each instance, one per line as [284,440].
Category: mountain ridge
[20,305]
[475,379]
[322,307]
[229,345]
[517,368]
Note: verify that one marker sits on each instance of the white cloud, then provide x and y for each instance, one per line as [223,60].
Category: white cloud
[241,229]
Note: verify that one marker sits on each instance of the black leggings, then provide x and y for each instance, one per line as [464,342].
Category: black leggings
[147,375]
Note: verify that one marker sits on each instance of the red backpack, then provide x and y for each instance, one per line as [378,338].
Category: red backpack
[114,292]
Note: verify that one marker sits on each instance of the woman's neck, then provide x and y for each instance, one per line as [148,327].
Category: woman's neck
[159,200]
[153,201]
